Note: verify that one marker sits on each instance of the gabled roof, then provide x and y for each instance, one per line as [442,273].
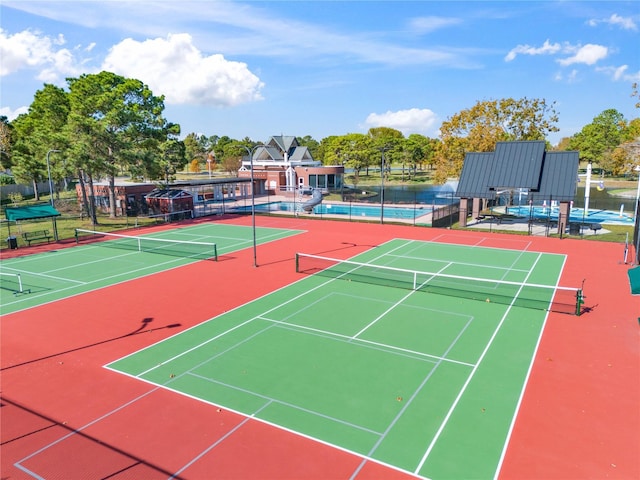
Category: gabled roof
[167,193]
[300,153]
[519,165]
[559,177]
[285,143]
[280,151]
[475,176]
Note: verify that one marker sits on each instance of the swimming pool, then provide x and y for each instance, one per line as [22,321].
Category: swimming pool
[576,215]
[366,211]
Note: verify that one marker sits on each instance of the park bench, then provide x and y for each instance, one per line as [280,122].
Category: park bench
[36,235]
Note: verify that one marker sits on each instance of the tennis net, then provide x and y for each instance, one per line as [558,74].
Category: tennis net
[551,298]
[163,246]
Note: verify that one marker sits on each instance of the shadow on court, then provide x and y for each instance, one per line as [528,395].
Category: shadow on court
[347,245]
[141,329]
[69,441]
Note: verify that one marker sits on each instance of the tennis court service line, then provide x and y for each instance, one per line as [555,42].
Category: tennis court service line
[412,398]
[195,347]
[383,347]
[99,280]
[44,275]
[471,375]
[399,302]
[466,264]
[271,400]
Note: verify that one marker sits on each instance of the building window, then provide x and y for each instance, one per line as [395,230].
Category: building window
[313,181]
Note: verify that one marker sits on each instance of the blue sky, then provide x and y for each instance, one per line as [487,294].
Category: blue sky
[320,68]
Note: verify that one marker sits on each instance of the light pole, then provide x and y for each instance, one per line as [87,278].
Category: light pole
[211,157]
[251,151]
[49,174]
[382,150]
[635,212]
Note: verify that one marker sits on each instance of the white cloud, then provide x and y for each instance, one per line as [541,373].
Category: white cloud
[570,77]
[32,50]
[12,114]
[620,73]
[414,120]
[588,54]
[429,24]
[547,48]
[174,67]
[626,23]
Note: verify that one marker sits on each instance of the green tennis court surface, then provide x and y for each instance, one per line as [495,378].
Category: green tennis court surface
[36,279]
[427,383]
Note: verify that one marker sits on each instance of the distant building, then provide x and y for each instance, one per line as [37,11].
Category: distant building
[130,197]
[282,165]
[167,200]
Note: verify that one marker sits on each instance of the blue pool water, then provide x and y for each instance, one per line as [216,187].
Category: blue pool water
[576,215]
[367,211]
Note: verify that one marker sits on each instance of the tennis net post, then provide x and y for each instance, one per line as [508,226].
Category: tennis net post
[17,287]
[551,298]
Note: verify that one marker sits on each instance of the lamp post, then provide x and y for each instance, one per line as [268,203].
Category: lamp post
[49,175]
[251,151]
[382,150]
[635,212]
[211,157]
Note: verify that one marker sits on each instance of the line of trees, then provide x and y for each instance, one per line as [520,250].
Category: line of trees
[104,125]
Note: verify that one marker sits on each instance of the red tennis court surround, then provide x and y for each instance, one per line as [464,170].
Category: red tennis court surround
[64,416]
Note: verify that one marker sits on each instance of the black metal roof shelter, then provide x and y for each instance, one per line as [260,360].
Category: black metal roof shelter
[520,165]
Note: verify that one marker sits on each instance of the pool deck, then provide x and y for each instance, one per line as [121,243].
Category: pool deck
[513,224]
[522,225]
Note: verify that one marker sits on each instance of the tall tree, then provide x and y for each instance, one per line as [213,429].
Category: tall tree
[196,148]
[597,140]
[116,116]
[387,146]
[353,150]
[419,150]
[5,143]
[479,128]
[37,132]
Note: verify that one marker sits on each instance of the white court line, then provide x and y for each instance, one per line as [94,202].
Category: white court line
[524,385]
[379,346]
[28,273]
[76,431]
[399,302]
[306,292]
[37,295]
[412,398]
[466,264]
[271,400]
[468,381]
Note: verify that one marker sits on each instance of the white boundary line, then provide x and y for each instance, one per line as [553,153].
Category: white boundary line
[524,386]
[19,300]
[366,458]
[467,382]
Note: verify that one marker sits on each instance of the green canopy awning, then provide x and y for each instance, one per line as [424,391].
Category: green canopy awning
[634,280]
[31,212]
